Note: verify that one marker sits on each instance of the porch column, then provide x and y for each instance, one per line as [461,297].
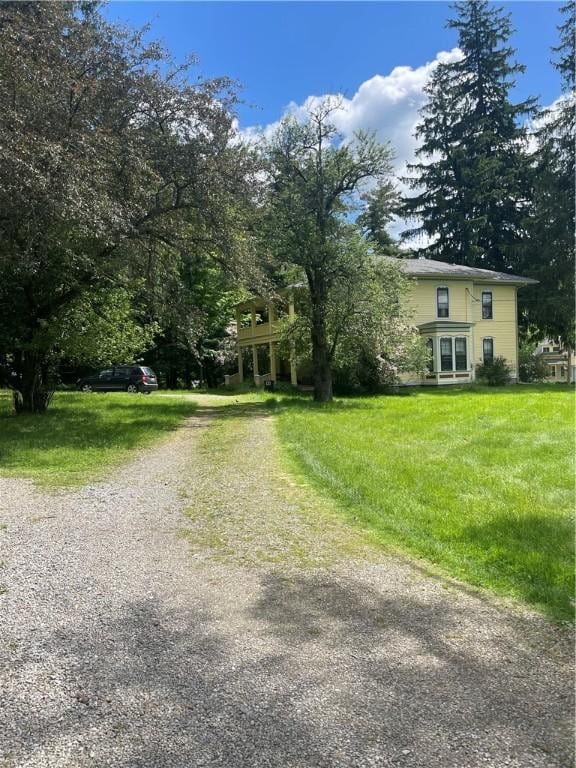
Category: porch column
[272,361]
[293,373]
[255,360]
[240,365]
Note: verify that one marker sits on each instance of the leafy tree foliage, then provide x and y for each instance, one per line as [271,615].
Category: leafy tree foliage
[115,170]
[315,179]
[370,337]
[103,328]
[531,367]
[195,342]
[472,182]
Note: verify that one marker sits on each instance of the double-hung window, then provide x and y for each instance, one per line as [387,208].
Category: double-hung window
[446,354]
[442,303]
[460,355]
[488,350]
[487,305]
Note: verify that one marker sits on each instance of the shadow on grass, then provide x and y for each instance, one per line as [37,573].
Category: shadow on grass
[79,432]
[531,554]
[296,399]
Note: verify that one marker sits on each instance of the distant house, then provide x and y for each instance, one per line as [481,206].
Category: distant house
[466,316]
[558,359]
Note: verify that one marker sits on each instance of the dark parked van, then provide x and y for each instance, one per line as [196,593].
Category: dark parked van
[122,378]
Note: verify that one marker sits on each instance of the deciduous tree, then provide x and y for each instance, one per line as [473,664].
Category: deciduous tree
[370,334]
[112,161]
[315,179]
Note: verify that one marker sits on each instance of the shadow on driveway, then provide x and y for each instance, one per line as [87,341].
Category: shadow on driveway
[315,670]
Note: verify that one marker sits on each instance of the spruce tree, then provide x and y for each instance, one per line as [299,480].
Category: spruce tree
[472,178]
[548,308]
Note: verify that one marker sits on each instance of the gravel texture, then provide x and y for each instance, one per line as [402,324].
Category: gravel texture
[198,610]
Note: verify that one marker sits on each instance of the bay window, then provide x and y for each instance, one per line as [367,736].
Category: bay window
[460,355]
[430,349]
[446,354]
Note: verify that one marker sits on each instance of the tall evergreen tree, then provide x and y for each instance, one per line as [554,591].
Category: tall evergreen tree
[471,181]
[548,308]
[381,205]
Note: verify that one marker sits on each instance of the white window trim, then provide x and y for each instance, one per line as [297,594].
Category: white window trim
[487,319]
[488,338]
[454,354]
[438,361]
[447,289]
[440,340]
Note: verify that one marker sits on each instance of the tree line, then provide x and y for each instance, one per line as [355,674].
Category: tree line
[133,216]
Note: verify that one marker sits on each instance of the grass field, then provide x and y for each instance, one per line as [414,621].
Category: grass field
[479,482]
[81,435]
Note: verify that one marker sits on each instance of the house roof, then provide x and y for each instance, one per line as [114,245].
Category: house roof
[441,269]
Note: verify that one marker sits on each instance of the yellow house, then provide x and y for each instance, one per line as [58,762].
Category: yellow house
[466,316]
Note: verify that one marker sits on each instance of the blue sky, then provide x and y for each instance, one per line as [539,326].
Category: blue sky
[379,55]
[283,52]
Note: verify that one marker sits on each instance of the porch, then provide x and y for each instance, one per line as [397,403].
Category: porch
[258,323]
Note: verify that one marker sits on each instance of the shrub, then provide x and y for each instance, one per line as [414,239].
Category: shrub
[495,373]
[531,367]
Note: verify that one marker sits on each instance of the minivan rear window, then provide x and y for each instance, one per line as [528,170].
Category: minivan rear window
[148,372]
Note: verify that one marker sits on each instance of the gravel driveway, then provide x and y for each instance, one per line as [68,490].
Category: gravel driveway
[244,632]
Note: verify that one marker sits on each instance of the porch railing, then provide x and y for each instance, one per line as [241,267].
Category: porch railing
[231,379]
[261,379]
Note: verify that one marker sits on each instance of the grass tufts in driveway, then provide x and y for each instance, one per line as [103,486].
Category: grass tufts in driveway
[477,481]
[81,436]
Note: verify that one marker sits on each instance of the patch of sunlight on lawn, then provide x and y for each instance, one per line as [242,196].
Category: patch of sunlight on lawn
[81,436]
[478,481]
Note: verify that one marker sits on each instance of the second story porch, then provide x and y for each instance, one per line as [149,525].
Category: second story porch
[258,319]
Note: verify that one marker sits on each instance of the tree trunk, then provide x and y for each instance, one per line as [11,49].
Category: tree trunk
[569,354]
[187,377]
[32,393]
[320,355]
[172,378]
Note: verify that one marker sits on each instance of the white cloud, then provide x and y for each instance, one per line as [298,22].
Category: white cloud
[387,105]
[543,118]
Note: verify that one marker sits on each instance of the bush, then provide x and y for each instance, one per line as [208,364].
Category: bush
[531,367]
[367,373]
[496,373]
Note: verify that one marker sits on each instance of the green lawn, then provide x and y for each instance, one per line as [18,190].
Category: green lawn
[479,482]
[81,436]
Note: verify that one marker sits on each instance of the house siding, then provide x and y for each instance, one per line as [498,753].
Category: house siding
[465,305]
[502,328]
[464,321]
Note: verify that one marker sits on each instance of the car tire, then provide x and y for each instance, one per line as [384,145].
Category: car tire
[147,392]
[86,388]
[132,388]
